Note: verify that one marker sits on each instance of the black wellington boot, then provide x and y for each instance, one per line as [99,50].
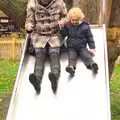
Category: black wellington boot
[53,77]
[35,83]
[55,71]
[36,77]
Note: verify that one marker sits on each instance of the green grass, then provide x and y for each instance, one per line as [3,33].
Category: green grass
[115,93]
[8,70]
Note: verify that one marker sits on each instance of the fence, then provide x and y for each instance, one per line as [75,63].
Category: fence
[11,49]
[118,60]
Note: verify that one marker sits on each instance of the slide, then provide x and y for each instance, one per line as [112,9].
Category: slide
[82,97]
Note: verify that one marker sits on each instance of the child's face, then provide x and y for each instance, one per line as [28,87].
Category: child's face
[75,21]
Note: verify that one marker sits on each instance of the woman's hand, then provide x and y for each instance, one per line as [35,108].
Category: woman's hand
[29,27]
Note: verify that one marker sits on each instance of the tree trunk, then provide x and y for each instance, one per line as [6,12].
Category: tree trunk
[91,9]
[115,14]
[114,31]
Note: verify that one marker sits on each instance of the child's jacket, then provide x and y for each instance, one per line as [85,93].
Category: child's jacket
[78,36]
[45,21]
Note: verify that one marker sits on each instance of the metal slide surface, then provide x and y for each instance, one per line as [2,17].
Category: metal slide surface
[84,97]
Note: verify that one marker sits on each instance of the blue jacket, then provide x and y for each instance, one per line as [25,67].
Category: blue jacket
[78,36]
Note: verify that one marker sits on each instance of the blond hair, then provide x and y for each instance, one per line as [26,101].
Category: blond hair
[75,13]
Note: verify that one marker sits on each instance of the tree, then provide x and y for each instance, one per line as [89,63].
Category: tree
[113,33]
[91,9]
[15,9]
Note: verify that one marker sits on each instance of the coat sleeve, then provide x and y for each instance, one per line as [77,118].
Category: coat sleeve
[64,32]
[30,17]
[89,37]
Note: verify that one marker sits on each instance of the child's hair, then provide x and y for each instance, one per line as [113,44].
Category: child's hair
[75,13]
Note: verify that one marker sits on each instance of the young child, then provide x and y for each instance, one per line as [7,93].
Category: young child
[79,36]
[43,20]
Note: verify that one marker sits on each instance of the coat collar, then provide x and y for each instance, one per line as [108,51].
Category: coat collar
[52,2]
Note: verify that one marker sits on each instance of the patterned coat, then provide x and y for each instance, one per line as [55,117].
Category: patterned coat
[45,22]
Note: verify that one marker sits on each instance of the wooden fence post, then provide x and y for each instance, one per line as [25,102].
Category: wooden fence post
[103,12]
[13,48]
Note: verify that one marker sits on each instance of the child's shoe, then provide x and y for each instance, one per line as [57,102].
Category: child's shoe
[70,70]
[94,68]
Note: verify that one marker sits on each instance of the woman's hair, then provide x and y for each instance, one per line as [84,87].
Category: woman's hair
[75,13]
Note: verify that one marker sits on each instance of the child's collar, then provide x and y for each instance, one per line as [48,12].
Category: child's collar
[80,22]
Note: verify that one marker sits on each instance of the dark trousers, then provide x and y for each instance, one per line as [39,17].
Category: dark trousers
[84,55]
[41,55]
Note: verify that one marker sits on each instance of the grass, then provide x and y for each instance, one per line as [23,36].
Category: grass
[115,93]
[8,70]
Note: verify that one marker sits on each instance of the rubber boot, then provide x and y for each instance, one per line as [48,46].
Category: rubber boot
[36,77]
[55,71]
[35,83]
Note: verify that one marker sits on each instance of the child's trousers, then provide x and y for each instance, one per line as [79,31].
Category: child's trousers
[84,55]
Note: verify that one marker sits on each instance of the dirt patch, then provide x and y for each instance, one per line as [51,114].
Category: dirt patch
[4,104]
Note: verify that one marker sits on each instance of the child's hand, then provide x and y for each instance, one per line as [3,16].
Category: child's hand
[92,50]
[29,27]
[61,23]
